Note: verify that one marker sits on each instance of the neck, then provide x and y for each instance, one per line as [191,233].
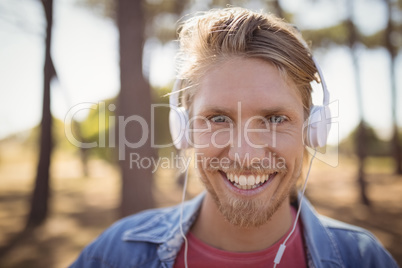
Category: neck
[213,229]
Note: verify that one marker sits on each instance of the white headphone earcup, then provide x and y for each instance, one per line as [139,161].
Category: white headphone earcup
[178,119]
[317,130]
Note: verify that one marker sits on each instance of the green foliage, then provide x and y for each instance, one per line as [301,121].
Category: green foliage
[338,34]
[374,147]
[99,127]
[162,15]
[161,115]
[60,141]
[105,8]
[160,18]
[323,37]
[30,139]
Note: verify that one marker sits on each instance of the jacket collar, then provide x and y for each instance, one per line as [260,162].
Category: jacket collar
[320,242]
[164,229]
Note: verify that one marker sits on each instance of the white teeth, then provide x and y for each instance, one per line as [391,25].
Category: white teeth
[250,180]
[242,180]
[246,182]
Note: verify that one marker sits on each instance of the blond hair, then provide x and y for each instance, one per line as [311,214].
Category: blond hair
[217,35]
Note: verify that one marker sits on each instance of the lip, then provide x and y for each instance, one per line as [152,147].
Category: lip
[249,192]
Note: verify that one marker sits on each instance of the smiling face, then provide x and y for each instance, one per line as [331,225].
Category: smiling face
[247,123]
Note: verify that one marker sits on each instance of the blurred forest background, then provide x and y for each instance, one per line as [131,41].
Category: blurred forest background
[57,196]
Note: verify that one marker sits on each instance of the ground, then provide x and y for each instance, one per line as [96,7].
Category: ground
[82,207]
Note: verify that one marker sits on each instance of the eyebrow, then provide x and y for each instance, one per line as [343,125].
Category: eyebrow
[222,110]
[216,109]
[278,110]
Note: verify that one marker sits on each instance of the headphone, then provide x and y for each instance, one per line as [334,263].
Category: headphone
[317,129]
[178,118]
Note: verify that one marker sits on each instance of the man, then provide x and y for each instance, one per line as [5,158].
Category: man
[245,83]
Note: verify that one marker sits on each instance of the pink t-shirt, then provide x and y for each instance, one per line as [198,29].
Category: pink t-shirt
[203,255]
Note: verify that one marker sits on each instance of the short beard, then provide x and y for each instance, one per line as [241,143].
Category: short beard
[246,213]
[249,213]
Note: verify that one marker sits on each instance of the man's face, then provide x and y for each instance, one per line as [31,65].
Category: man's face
[247,138]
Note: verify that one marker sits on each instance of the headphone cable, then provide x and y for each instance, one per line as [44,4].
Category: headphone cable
[282,247]
[181,218]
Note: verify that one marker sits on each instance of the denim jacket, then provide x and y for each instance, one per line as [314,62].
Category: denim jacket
[152,239]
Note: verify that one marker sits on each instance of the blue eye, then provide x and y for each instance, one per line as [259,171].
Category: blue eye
[277,119]
[219,119]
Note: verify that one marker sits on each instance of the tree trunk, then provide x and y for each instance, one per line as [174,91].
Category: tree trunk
[39,201]
[278,9]
[134,100]
[361,153]
[361,141]
[393,51]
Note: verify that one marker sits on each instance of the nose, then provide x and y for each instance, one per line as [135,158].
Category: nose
[247,148]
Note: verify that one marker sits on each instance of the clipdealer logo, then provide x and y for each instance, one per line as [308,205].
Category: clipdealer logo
[107,135]
[182,163]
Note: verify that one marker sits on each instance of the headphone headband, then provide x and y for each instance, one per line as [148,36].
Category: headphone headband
[326,94]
